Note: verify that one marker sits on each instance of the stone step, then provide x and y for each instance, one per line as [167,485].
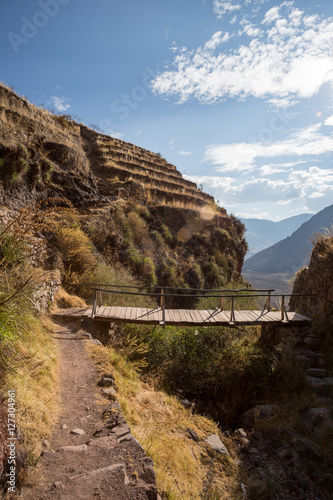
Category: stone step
[316,372]
[320,384]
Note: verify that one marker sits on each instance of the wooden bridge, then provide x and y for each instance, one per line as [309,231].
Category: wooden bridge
[161,315]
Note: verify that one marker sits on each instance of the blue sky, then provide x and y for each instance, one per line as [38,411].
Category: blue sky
[238,94]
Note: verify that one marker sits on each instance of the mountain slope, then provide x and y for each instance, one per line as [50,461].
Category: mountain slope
[289,255]
[263,233]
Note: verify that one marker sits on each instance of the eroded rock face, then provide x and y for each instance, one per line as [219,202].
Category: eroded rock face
[317,279]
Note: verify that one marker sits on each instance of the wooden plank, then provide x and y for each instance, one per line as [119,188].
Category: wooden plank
[98,310]
[170,316]
[241,317]
[182,315]
[115,312]
[128,313]
[263,317]
[294,316]
[104,312]
[254,315]
[142,313]
[249,317]
[203,314]
[273,315]
[187,318]
[177,315]
[200,316]
[132,313]
[156,314]
[150,314]
[257,316]
[192,316]
[223,317]
[122,312]
[210,318]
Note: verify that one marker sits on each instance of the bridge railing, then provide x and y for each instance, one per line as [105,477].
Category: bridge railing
[220,294]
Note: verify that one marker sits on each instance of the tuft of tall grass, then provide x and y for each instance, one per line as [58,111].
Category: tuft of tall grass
[77,253]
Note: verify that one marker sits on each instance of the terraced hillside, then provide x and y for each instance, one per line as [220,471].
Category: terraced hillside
[110,160]
[161,180]
[134,205]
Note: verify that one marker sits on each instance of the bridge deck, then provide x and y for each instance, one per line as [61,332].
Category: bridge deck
[191,317]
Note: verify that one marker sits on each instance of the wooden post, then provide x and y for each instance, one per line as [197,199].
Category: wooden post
[221,302]
[232,316]
[282,308]
[99,298]
[269,301]
[94,306]
[162,304]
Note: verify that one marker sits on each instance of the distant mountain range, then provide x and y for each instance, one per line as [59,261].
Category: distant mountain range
[292,253]
[262,233]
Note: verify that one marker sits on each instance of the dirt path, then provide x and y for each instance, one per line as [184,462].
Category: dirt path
[103,460]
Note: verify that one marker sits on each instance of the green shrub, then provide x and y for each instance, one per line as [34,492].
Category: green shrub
[223,369]
[215,276]
[194,275]
[137,228]
[167,235]
[118,275]
[221,239]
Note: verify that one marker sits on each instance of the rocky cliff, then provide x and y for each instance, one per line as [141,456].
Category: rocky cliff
[317,279]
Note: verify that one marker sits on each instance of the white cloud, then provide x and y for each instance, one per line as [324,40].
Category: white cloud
[60,103]
[329,121]
[271,15]
[252,214]
[251,31]
[185,153]
[291,58]
[285,102]
[222,7]
[276,168]
[304,186]
[216,40]
[242,156]
[116,135]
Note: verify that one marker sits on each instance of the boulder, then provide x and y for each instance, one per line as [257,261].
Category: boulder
[78,432]
[317,420]
[216,444]
[306,449]
[261,412]
[107,380]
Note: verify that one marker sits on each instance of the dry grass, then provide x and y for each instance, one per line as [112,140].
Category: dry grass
[64,300]
[185,469]
[35,380]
